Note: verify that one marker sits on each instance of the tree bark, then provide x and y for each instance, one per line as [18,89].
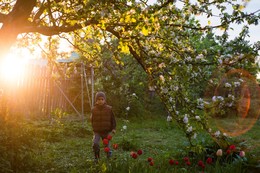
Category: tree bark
[13,22]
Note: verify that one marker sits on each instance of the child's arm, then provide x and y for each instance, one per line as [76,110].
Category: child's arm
[113,122]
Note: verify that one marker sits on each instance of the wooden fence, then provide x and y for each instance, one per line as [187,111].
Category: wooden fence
[40,90]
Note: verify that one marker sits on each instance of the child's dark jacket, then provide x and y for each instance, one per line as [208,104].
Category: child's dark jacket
[103,119]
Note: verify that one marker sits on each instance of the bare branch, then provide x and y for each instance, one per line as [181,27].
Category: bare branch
[55,30]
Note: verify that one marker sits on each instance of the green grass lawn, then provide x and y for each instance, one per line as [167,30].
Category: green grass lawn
[66,146]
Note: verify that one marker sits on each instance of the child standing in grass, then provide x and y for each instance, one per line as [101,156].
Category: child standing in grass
[103,123]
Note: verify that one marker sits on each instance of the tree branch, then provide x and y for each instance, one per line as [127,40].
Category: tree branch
[55,30]
[22,10]
[39,12]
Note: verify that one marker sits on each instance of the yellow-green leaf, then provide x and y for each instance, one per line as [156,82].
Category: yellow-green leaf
[241,7]
[133,20]
[145,31]
[127,18]
[124,48]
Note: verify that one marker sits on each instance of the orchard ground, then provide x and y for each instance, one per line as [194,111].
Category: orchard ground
[65,145]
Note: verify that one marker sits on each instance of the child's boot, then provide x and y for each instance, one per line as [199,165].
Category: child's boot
[96,153]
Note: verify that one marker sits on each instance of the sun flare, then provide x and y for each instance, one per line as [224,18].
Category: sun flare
[12,67]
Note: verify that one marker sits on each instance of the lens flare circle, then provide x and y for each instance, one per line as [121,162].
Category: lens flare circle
[236,100]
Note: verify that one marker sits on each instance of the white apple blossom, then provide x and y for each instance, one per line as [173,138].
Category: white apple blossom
[228,85]
[237,84]
[220,98]
[199,57]
[194,74]
[169,118]
[124,127]
[200,100]
[176,88]
[162,65]
[195,136]
[189,129]
[164,90]
[200,103]
[231,96]
[132,11]
[188,59]
[217,133]
[206,103]
[162,78]
[129,3]
[214,98]
[230,104]
[197,118]
[241,56]
[185,119]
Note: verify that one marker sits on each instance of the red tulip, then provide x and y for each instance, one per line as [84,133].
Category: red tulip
[105,141]
[109,137]
[115,146]
[209,160]
[133,155]
[149,159]
[171,162]
[176,163]
[106,149]
[200,163]
[188,163]
[228,151]
[151,163]
[186,159]
[232,147]
[140,152]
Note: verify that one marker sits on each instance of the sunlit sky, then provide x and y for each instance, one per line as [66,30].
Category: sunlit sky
[252,6]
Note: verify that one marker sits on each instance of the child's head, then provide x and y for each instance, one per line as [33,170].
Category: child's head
[100,98]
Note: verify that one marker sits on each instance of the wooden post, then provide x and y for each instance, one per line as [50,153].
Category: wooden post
[92,85]
[82,91]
